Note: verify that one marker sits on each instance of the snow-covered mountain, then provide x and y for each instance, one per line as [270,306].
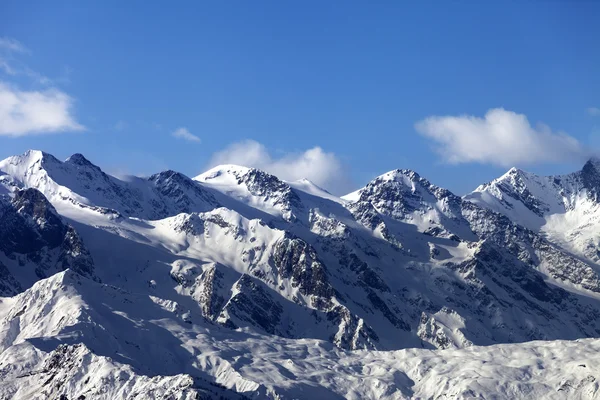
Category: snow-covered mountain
[76,181]
[565,208]
[239,283]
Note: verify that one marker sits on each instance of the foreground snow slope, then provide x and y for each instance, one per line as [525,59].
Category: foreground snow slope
[100,342]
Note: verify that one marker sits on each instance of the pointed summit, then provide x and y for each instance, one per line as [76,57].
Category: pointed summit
[593,162]
[79,159]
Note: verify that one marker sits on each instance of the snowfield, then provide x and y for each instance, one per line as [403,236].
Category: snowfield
[236,284]
[48,350]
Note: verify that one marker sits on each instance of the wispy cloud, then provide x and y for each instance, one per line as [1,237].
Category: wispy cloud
[183,133]
[12,45]
[10,50]
[323,168]
[593,111]
[501,137]
[35,112]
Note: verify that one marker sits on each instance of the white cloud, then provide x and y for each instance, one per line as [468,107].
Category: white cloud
[594,111]
[183,133]
[34,112]
[320,167]
[12,45]
[27,112]
[501,137]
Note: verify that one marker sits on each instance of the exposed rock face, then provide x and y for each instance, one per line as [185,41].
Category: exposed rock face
[252,303]
[34,237]
[262,184]
[297,261]
[400,193]
[443,329]
[177,193]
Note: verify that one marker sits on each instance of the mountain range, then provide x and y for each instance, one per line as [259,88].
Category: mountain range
[237,284]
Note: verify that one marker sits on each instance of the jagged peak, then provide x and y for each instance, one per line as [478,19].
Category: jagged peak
[514,171]
[405,177]
[399,173]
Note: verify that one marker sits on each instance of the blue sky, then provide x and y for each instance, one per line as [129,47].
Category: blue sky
[375,87]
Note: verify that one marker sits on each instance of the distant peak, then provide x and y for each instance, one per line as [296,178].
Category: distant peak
[168,174]
[593,162]
[591,173]
[220,170]
[78,159]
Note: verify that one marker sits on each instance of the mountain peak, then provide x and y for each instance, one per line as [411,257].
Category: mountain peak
[79,159]
[512,175]
[590,174]
[169,173]
[399,173]
[221,170]
[514,171]
[593,162]
[31,157]
[32,153]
